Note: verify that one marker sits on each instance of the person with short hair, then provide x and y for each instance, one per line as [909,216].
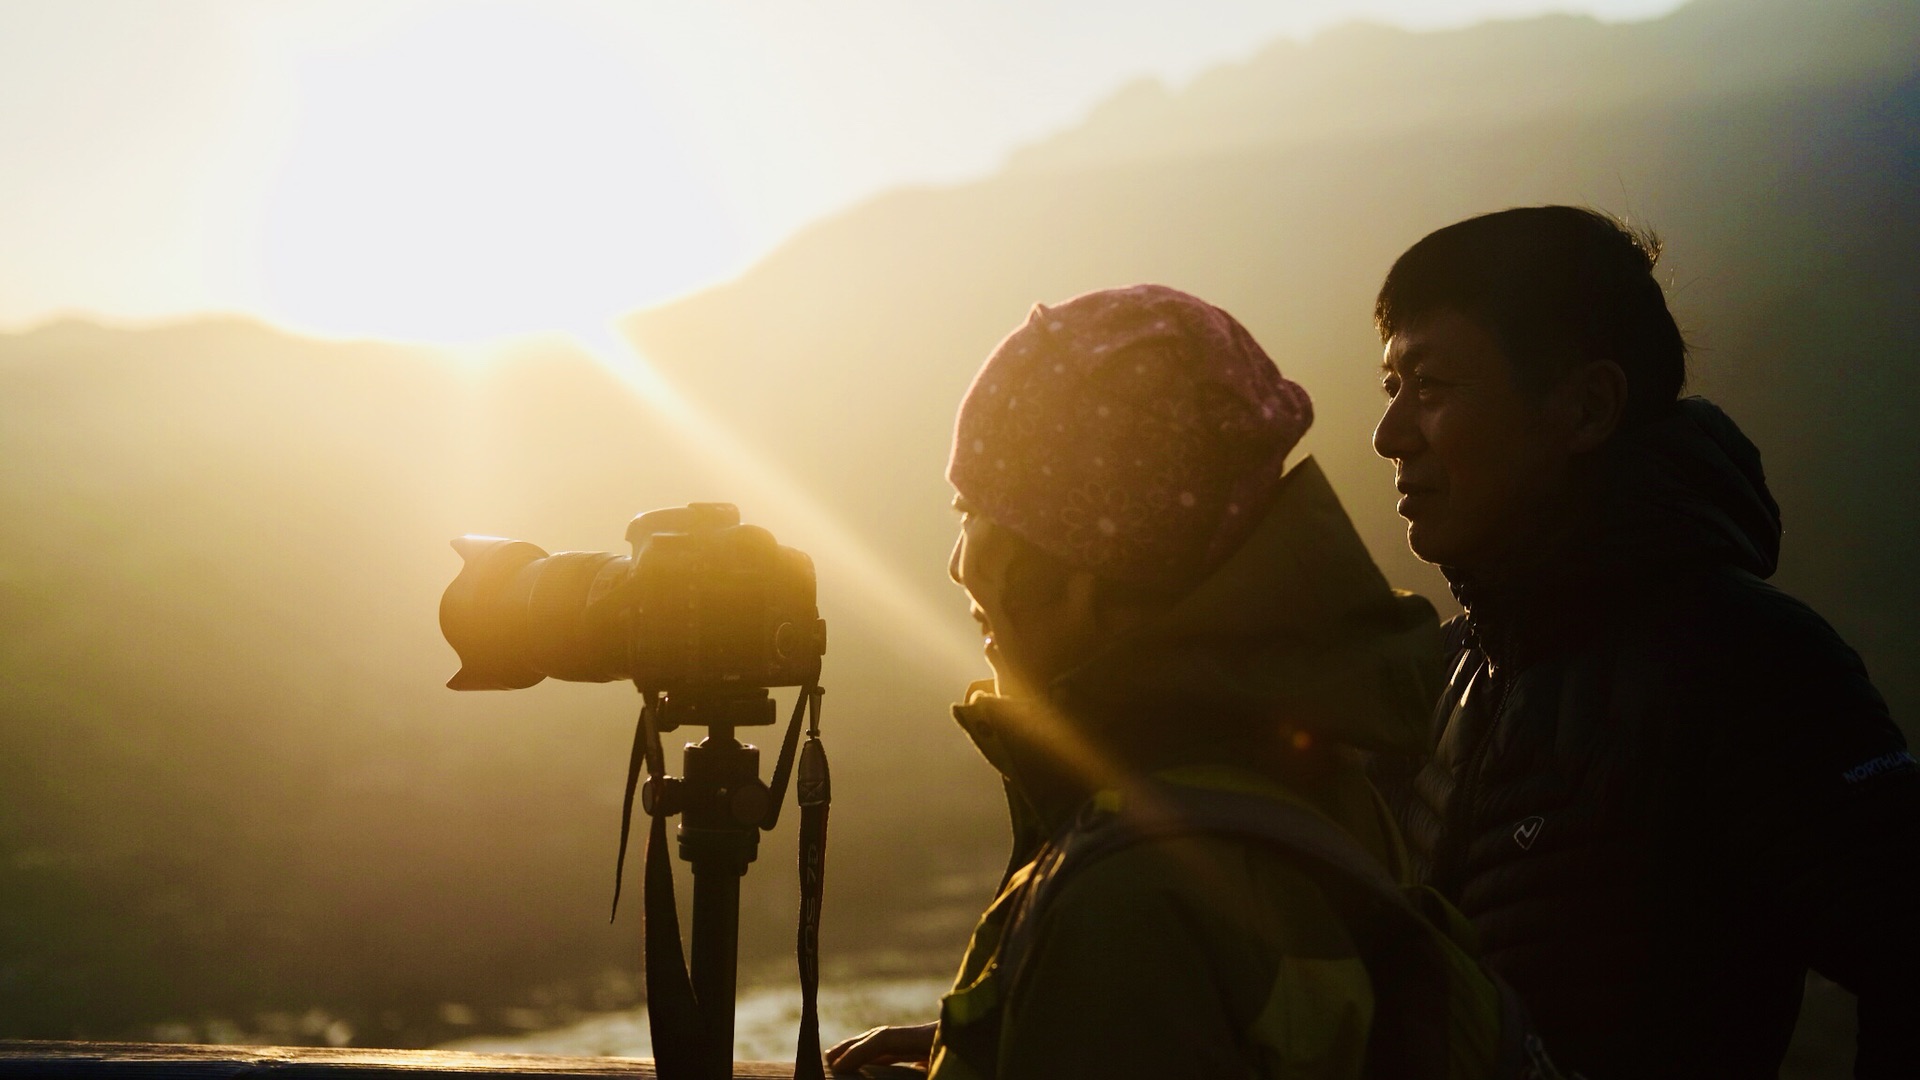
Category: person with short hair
[1168,608]
[1660,788]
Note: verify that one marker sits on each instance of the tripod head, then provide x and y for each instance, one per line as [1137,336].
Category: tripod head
[721,801]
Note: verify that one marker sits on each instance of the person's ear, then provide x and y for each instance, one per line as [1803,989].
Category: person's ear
[1600,404]
[1083,599]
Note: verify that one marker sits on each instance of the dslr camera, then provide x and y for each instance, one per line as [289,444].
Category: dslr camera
[705,609]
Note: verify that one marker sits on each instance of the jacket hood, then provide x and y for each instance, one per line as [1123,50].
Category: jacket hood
[1682,493]
[1296,630]
[1688,489]
[1297,627]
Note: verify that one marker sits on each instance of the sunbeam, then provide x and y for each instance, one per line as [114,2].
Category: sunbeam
[935,637]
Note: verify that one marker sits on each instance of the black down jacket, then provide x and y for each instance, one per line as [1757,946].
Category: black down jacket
[1662,789]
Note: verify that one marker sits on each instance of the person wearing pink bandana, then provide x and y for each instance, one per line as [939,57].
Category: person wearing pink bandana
[1170,614]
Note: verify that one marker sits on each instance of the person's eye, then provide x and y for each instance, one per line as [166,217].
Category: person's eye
[1390,385]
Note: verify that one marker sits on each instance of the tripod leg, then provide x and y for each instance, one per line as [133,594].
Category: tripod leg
[716,929]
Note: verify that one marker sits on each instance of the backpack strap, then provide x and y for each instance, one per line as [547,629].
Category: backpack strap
[1108,824]
[1397,940]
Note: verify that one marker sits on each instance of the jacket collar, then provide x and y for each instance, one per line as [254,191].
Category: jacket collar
[1027,743]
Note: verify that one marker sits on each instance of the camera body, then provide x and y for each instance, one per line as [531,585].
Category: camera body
[704,608]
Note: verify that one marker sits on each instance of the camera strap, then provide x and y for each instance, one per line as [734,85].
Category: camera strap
[673,1011]
[815,795]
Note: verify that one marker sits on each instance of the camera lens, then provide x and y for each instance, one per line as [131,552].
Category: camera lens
[569,641]
[517,615]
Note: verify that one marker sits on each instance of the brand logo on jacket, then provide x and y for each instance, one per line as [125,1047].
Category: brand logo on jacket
[1897,761]
[1527,831]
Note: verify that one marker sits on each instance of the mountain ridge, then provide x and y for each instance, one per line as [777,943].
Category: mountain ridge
[1362,77]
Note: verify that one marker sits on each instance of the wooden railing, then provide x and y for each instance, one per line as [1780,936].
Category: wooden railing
[173,1061]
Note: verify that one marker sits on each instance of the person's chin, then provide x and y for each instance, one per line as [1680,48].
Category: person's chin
[1426,541]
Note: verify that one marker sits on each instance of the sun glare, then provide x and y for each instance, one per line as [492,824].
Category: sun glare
[479,173]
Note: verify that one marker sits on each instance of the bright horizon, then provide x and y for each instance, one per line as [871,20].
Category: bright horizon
[458,172]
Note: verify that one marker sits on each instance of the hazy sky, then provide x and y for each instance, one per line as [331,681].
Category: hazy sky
[456,170]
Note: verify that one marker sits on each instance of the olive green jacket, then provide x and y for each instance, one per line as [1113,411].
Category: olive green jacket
[1203,956]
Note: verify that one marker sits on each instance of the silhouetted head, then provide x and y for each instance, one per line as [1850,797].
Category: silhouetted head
[1516,343]
[1555,287]
[1111,452]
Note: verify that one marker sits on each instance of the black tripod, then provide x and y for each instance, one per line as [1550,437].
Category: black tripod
[723,806]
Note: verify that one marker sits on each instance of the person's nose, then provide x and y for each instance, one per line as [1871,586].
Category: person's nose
[1397,435]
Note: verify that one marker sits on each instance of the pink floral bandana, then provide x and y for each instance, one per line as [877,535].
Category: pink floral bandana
[1137,433]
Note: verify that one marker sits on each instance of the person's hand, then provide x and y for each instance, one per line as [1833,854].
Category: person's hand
[882,1046]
